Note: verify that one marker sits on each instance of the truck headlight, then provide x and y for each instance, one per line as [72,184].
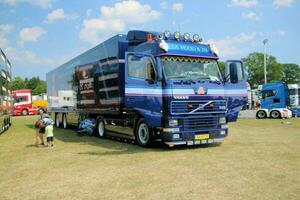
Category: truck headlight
[222,120]
[222,132]
[170,129]
[173,122]
[224,126]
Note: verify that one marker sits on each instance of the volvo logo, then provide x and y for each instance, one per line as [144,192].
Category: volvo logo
[201,106]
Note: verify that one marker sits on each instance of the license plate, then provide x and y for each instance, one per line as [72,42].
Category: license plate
[202,136]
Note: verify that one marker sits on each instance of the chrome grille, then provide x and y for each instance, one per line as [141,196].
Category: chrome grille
[200,123]
[198,107]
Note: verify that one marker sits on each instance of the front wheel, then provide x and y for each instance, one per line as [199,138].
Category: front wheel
[261,114]
[24,112]
[143,134]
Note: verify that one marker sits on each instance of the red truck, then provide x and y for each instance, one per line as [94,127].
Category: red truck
[23,102]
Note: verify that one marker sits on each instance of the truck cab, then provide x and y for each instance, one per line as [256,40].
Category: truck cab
[275,101]
[23,102]
[174,82]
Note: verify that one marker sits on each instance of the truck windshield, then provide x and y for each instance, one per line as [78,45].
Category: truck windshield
[187,68]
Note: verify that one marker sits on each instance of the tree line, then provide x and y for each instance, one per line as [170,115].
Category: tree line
[37,85]
[287,72]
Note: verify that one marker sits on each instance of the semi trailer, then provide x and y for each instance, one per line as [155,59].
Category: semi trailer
[150,86]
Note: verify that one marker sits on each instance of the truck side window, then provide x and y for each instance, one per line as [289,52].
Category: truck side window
[140,67]
[268,93]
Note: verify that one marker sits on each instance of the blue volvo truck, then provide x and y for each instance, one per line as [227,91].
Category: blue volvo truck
[278,101]
[150,86]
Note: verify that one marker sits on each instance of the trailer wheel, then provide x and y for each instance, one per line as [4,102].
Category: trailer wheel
[24,112]
[100,128]
[261,114]
[275,114]
[64,121]
[143,134]
[57,120]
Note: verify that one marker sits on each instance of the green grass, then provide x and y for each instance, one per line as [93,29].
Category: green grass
[259,160]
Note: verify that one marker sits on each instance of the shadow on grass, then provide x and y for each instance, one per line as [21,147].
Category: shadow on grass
[118,146]
[30,126]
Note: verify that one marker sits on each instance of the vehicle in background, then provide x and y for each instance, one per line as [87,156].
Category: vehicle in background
[149,86]
[40,101]
[6,107]
[23,103]
[276,101]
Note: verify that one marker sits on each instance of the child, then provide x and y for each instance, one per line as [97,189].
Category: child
[49,132]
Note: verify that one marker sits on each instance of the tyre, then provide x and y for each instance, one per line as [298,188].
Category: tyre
[261,114]
[25,112]
[64,121]
[57,121]
[143,134]
[275,114]
[100,128]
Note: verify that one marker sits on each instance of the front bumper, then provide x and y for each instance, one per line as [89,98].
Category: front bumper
[190,138]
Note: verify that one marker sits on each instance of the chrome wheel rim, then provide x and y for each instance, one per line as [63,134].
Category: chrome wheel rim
[261,114]
[143,133]
[101,129]
[275,114]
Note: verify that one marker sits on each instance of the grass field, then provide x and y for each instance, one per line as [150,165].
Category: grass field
[259,160]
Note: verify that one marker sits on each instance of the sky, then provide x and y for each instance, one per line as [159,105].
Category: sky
[39,35]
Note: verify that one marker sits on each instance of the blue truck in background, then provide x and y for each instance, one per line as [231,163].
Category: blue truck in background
[279,100]
[150,86]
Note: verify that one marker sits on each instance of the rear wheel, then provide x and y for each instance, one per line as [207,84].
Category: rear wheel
[57,121]
[261,114]
[100,128]
[64,121]
[24,112]
[275,114]
[143,134]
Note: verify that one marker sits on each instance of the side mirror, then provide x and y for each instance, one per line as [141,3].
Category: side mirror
[234,71]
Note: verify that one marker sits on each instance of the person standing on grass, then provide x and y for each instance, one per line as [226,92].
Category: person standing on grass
[49,133]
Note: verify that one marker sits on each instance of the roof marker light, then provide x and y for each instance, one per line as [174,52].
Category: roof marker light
[167,34]
[150,37]
[160,36]
[186,36]
[177,35]
[196,38]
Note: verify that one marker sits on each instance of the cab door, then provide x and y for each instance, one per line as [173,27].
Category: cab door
[143,90]
[235,88]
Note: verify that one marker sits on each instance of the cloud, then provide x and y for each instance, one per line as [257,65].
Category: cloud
[40,3]
[115,19]
[244,3]
[177,7]
[164,5]
[18,55]
[59,14]
[251,15]
[231,47]
[30,34]
[88,12]
[280,33]
[282,3]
